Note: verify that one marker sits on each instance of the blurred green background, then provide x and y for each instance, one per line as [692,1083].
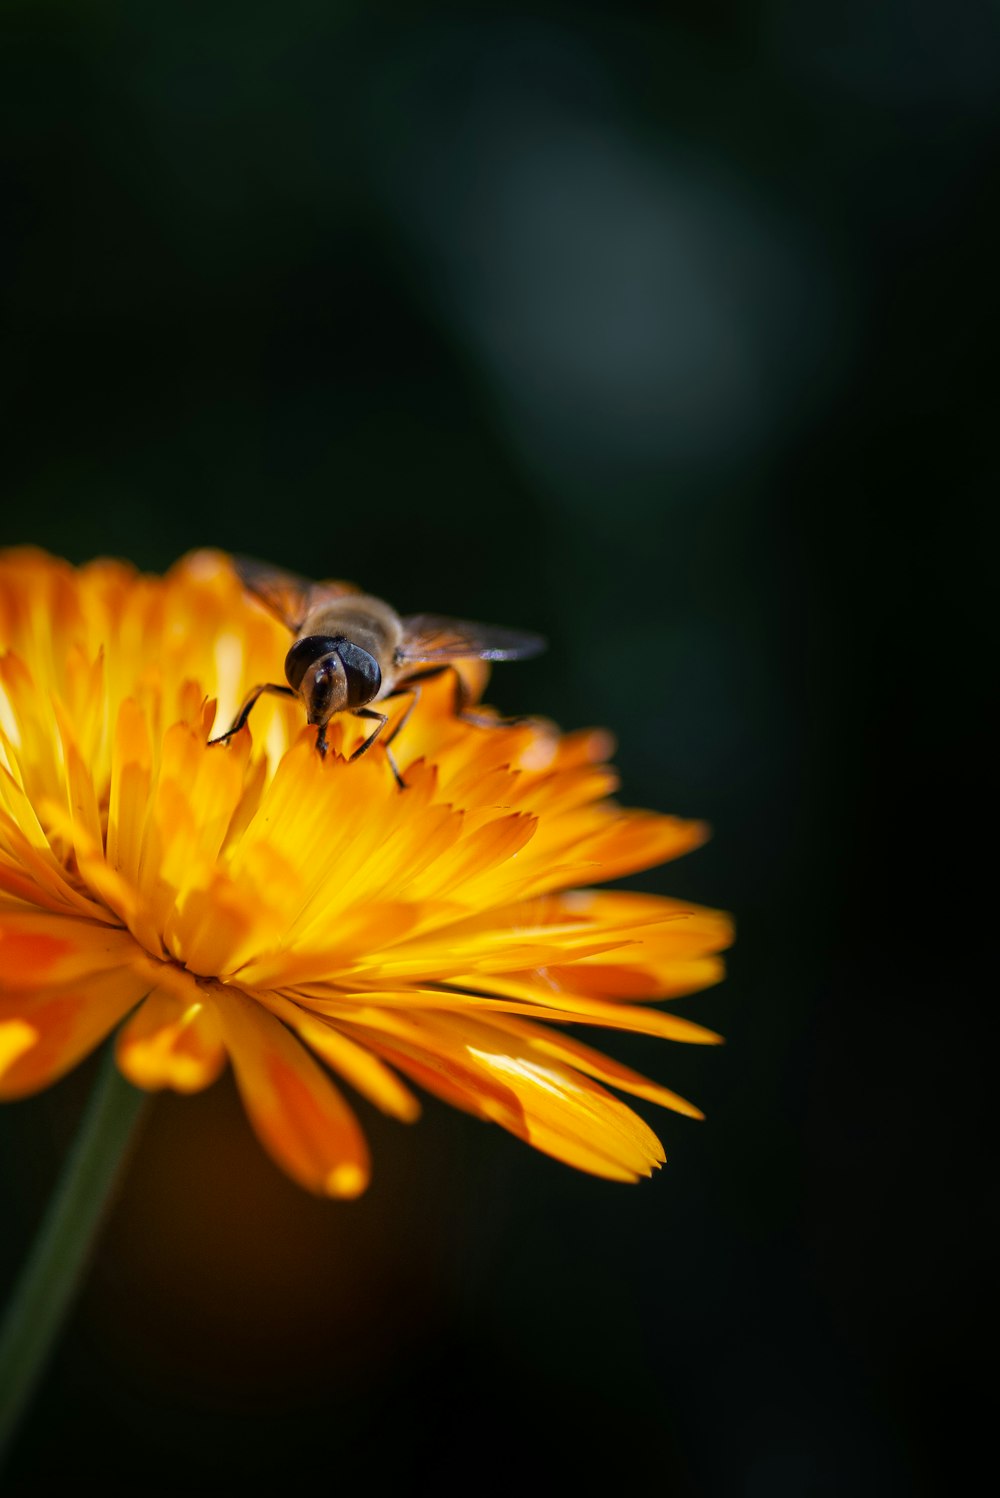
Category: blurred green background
[668,331]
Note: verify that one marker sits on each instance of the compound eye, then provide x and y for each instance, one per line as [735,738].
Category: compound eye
[363,675]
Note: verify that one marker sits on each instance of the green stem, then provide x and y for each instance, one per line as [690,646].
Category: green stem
[54,1272]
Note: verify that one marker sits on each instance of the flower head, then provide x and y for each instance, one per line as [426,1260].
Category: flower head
[299,916]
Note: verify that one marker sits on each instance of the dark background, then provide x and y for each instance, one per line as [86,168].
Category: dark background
[669,331]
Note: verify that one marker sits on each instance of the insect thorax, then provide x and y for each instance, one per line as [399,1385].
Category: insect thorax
[367,622]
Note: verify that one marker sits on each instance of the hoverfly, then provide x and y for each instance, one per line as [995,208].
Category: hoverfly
[352,650]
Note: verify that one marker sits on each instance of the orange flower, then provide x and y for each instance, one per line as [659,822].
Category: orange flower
[259,904]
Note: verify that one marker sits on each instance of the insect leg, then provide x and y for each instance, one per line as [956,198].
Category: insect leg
[367,712]
[411,688]
[480,720]
[428,674]
[382,719]
[248,704]
[406,691]
[459,706]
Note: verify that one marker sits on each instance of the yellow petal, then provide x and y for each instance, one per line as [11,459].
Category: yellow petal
[170,1043]
[131,772]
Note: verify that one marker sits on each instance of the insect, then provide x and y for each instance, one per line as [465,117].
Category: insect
[352,650]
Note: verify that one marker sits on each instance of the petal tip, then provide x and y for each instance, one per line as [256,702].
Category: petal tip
[347,1180]
[16,1038]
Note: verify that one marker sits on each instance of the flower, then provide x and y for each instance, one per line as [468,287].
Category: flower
[258,903]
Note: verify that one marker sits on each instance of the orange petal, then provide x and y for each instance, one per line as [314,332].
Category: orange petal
[510,997]
[583,1009]
[82,798]
[584,1058]
[38,949]
[65,1025]
[298,1115]
[487,850]
[541,1100]
[603,842]
[28,867]
[666,979]
[355,1063]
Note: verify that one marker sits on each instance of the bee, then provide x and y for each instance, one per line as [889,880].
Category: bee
[352,650]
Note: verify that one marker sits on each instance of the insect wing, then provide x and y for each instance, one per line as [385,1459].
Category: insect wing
[288,596]
[431,637]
